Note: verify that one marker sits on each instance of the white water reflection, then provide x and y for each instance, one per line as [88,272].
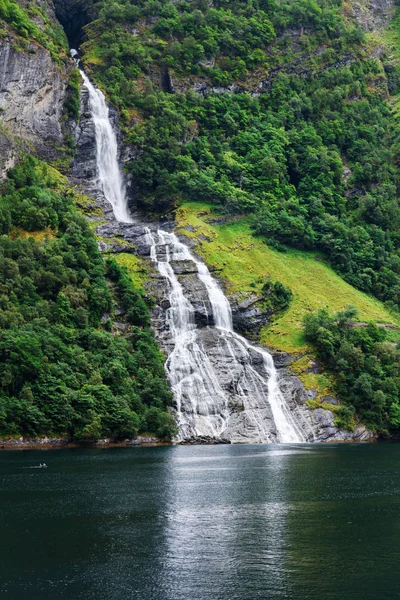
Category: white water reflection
[229,530]
[258,455]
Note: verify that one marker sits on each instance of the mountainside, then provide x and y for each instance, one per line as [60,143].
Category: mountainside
[268,131]
[301,136]
[77,356]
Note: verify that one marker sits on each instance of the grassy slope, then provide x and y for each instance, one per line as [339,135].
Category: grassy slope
[136,268]
[243,261]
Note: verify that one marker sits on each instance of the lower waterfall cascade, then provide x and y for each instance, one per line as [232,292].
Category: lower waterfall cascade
[202,404]
[236,398]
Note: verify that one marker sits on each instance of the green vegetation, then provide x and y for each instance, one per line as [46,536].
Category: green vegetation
[277,296]
[390,37]
[73,97]
[222,42]
[31,23]
[67,365]
[280,116]
[243,261]
[303,148]
[312,159]
[366,367]
[135,266]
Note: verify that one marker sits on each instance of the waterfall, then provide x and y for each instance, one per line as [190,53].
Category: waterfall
[110,179]
[193,376]
[222,385]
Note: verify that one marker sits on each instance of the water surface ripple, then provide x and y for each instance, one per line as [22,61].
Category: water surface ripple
[201,523]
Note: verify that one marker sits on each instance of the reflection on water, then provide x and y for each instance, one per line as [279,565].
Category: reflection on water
[216,528]
[201,523]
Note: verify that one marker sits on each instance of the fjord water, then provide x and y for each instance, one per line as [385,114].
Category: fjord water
[206,410]
[202,523]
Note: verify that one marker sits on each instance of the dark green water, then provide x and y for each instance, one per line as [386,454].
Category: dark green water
[202,523]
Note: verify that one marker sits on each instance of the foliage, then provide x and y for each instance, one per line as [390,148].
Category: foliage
[62,372]
[73,96]
[312,159]
[276,295]
[366,367]
[290,125]
[32,23]
[244,261]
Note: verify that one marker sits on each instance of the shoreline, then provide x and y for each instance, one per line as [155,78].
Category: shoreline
[47,443]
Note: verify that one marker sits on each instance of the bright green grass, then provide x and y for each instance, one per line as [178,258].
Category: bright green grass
[136,268]
[243,261]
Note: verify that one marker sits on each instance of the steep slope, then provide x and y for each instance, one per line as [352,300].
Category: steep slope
[78,360]
[280,111]
[244,262]
[37,83]
[77,357]
[224,388]
[277,111]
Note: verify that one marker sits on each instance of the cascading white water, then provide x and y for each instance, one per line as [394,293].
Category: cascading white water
[188,366]
[190,369]
[110,179]
[203,403]
[288,432]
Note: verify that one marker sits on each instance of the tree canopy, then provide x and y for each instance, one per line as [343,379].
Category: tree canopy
[65,367]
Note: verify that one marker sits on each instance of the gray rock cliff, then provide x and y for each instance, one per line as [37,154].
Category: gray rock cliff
[32,93]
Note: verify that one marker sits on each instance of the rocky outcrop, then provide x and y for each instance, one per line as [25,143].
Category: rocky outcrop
[371,14]
[84,166]
[248,314]
[322,421]
[8,153]
[326,431]
[32,92]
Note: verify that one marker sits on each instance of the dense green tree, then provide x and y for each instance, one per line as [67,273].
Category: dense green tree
[366,367]
[305,144]
[61,371]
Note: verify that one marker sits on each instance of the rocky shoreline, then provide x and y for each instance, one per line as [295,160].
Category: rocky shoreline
[47,443]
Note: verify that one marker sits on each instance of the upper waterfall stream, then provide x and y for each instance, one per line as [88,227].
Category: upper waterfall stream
[223,386]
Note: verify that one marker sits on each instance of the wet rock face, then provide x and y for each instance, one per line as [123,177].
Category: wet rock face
[327,432]
[32,91]
[321,421]
[84,166]
[248,315]
[196,293]
[237,405]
